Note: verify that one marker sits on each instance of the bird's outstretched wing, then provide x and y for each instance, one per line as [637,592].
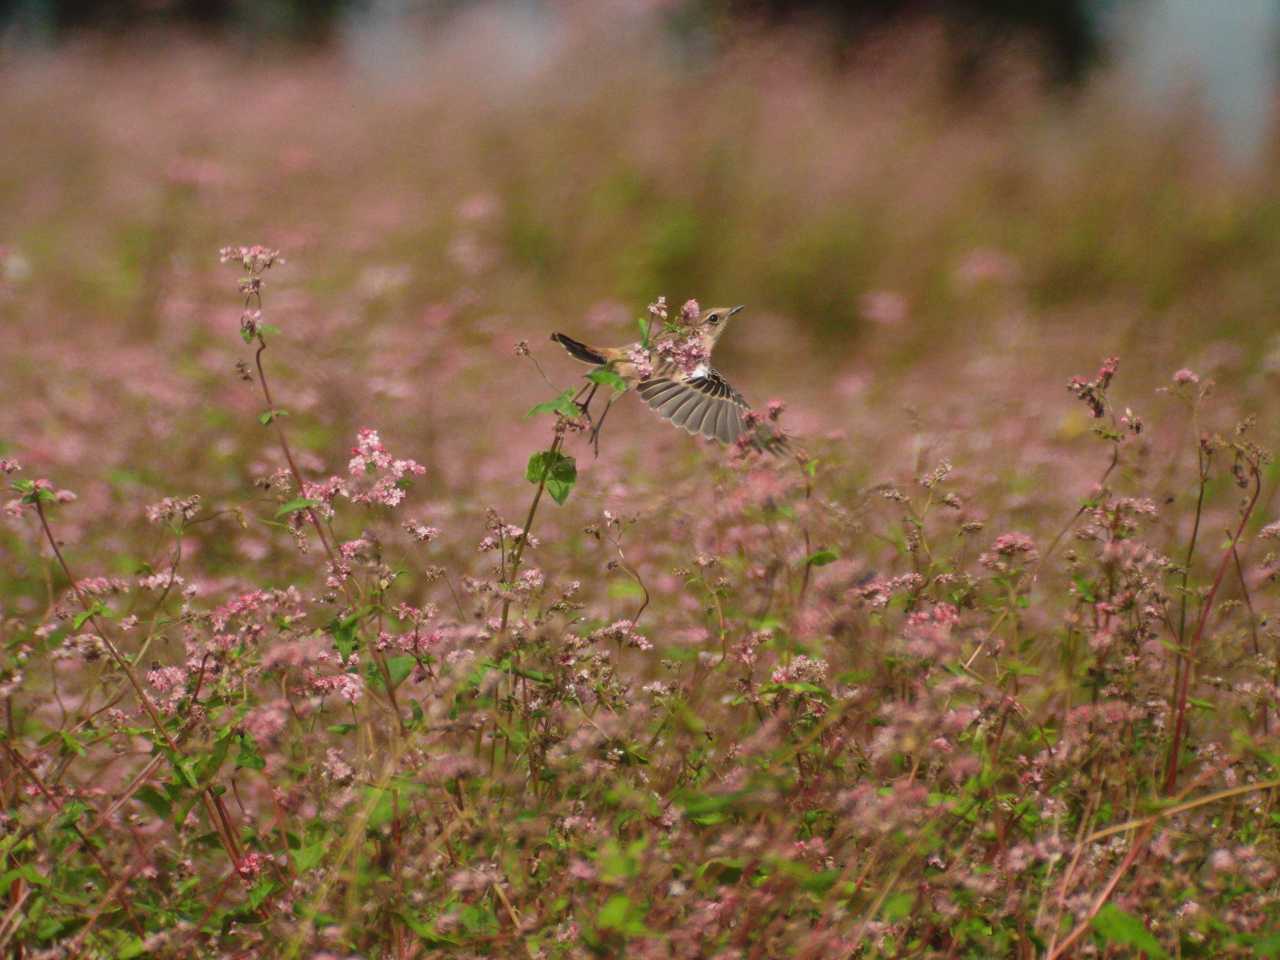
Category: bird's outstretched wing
[702,404]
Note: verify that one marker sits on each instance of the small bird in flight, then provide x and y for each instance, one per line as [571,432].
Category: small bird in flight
[698,399]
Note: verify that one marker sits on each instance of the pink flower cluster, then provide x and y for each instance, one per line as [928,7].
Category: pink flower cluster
[255,258]
[1008,550]
[370,457]
[174,509]
[1093,392]
[687,353]
[623,632]
[928,631]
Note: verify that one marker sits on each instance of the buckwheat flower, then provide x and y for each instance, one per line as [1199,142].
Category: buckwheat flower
[420,531]
[1185,376]
[101,586]
[690,312]
[476,878]
[251,864]
[940,473]
[368,454]
[9,465]
[336,768]
[687,353]
[802,669]
[530,581]
[171,508]
[658,310]
[1222,860]
[160,581]
[522,348]
[266,721]
[1009,548]
[642,360]
[254,258]
[580,869]
[885,307]
[1270,532]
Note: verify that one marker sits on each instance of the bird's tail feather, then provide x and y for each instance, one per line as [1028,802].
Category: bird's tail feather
[579,350]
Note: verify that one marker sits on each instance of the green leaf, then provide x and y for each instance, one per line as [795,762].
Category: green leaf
[155,801]
[212,763]
[822,558]
[308,857]
[259,892]
[563,405]
[25,872]
[267,416]
[293,506]
[344,634]
[1115,926]
[270,328]
[79,620]
[621,915]
[607,378]
[249,757]
[898,907]
[428,934]
[558,471]
[400,667]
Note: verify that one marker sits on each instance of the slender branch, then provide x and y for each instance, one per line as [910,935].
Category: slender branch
[1135,848]
[284,445]
[1180,709]
[228,839]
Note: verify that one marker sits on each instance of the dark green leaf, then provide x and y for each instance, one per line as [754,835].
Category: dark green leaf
[310,856]
[248,756]
[558,471]
[155,801]
[607,378]
[79,620]
[1115,926]
[621,915]
[898,907]
[563,405]
[822,558]
[400,667]
[293,506]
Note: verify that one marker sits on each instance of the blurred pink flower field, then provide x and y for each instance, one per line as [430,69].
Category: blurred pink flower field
[325,632]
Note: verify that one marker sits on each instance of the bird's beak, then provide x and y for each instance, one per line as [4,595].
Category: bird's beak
[736,309]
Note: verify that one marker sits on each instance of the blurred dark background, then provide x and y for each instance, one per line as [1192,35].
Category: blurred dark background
[1068,31]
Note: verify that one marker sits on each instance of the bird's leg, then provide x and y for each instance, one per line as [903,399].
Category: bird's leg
[585,405]
[595,429]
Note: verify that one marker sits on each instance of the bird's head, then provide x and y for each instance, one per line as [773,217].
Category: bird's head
[714,320]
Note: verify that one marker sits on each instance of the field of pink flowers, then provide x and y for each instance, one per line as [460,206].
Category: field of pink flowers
[325,633]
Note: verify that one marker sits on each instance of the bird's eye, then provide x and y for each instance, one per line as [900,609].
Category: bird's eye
[713,319]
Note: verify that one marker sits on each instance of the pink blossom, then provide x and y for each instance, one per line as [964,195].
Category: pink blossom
[884,307]
[254,258]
